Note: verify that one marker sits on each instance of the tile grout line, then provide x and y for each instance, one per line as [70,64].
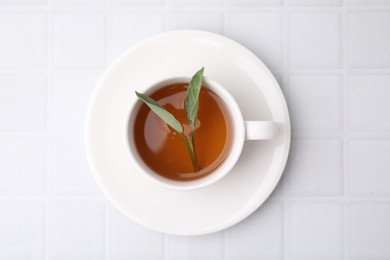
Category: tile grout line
[286,229]
[165,246]
[296,198]
[332,198]
[295,136]
[49,51]
[107,24]
[298,71]
[166,27]
[342,136]
[106,229]
[47,202]
[106,214]
[137,8]
[286,75]
[225,30]
[166,21]
[225,18]
[345,158]
[225,244]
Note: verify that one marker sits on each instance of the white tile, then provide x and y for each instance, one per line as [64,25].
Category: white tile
[260,236]
[280,188]
[69,97]
[23,40]
[22,165]
[369,231]
[212,22]
[129,240]
[79,41]
[22,229]
[315,40]
[22,103]
[315,3]
[369,2]
[315,103]
[76,229]
[279,76]
[316,231]
[68,167]
[369,103]
[266,41]
[193,3]
[369,40]
[77,2]
[315,168]
[256,2]
[125,29]
[137,2]
[207,247]
[22,2]
[369,172]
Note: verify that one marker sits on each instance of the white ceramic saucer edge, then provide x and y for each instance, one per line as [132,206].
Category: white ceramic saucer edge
[255,201]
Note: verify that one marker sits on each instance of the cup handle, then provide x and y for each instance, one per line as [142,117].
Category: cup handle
[260,130]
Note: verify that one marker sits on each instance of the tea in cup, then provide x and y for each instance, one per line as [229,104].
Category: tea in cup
[219,132]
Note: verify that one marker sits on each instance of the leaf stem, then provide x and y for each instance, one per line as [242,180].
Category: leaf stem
[192,138]
[191,107]
[191,151]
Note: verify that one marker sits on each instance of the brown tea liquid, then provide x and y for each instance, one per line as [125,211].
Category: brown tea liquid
[162,148]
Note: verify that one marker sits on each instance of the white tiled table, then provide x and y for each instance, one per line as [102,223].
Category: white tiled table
[332,59]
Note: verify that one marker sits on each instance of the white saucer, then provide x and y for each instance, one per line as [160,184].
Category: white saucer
[212,208]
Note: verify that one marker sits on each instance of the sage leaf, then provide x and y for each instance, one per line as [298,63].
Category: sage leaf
[192,97]
[161,112]
[191,107]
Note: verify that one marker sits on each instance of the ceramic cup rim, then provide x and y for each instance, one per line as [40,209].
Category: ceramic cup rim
[238,136]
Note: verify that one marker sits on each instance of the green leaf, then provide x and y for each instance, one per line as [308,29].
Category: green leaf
[161,112]
[192,97]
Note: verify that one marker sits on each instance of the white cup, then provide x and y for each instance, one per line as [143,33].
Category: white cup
[242,130]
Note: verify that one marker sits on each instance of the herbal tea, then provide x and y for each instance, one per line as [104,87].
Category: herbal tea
[163,149]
